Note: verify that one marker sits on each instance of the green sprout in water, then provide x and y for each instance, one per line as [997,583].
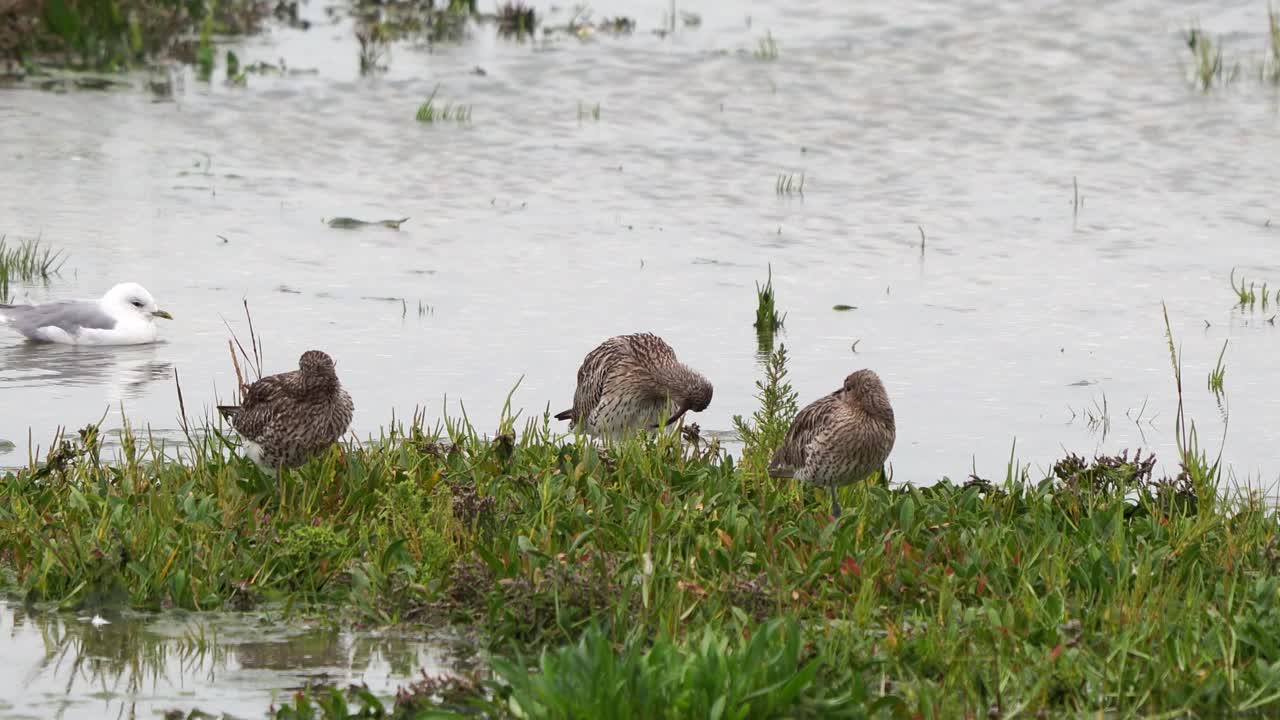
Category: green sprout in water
[788,184]
[1218,374]
[1207,55]
[429,112]
[205,50]
[767,49]
[1246,295]
[592,112]
[768,321]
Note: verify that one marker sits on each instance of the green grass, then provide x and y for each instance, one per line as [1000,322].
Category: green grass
[27,261]
[1249,295]
[592,112]
[1270,69]
[116,35]
[1218,374]
[429,112]
[787,184]
[1208,69]
[655,579]
[767,48]
[768,319]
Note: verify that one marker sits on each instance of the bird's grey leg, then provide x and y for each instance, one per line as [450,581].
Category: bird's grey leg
[835,502]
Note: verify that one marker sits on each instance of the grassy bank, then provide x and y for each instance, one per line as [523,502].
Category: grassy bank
[662,578]
[118,34]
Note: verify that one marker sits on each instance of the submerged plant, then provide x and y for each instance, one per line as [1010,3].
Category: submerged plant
[788,184]
[516,19]
[1208,68]
[592,112]
[767,49]
[1218,374]
[429,112]
[1247,293]
[768,321]
[372,38]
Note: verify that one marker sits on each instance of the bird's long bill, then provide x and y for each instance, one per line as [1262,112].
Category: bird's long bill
[684,408]
[162,314]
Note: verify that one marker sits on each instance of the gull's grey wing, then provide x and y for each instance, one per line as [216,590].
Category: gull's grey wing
[70,316]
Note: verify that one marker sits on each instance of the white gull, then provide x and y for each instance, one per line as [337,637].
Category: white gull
[126,315]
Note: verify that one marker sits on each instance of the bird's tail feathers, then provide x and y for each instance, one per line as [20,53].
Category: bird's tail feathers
[227,411]
[565,415]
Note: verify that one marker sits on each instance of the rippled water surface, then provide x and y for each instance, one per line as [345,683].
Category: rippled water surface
[534,233]
[63,666]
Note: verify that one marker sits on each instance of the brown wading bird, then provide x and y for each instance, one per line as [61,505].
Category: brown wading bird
[839,439]
[628,382]
[287,418]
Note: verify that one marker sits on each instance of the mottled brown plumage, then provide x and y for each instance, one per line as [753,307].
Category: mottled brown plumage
[628,383]
[285,419]
[840,438]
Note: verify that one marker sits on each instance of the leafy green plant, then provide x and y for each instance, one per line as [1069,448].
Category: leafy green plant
[769,423]
[713,674]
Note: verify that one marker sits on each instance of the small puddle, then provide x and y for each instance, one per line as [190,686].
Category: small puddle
[64,665]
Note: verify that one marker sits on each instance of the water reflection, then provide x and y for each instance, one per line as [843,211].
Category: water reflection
[123,371]
[136,665]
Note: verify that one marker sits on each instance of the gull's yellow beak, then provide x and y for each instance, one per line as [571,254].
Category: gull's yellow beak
[162,314]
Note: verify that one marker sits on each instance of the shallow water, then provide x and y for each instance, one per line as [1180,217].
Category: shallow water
[534,234]
[59,665]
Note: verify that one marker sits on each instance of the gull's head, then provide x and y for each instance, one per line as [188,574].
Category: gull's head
[133,298]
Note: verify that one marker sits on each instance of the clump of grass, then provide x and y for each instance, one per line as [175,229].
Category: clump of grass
[205,55]
[516,19]
[767,49]
[118,34]
[429,112]
[1218,374]
[372,38]
[1271,65]
[710,674]
[788,184]
[592,112]
[768,320]
[1208,68]
[28,261]
[1248,293]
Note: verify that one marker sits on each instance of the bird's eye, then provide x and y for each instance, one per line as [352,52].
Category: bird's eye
[136,303]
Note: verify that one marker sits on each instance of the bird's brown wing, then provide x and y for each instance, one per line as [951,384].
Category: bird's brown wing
[258,406]
[809,423]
